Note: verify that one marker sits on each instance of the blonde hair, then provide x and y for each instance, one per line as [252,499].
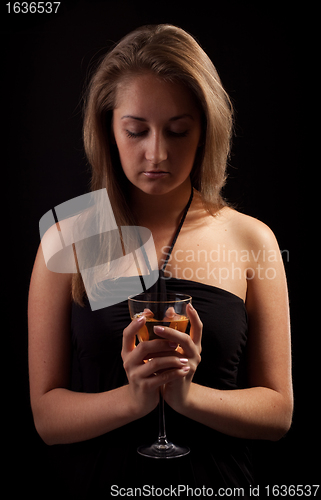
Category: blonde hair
[174,55]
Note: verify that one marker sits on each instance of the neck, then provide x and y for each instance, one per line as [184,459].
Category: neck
[154,210]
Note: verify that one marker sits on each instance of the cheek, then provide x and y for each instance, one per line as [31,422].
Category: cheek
[185,155]
[126,150]
[131,159]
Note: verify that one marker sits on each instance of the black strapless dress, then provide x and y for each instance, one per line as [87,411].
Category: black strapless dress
[97,468]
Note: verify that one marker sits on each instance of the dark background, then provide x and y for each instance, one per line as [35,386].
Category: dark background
[261,55]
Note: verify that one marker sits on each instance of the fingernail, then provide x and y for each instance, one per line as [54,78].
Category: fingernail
[140,319]
[185,368]
[173,344]
[158,329]
[190,304]
[183,360]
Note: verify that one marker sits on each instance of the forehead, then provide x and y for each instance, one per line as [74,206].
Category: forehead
[149,96]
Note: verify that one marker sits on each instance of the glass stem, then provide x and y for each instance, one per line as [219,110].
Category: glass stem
[161,428]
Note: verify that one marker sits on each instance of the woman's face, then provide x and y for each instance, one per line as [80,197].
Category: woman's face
[157,129]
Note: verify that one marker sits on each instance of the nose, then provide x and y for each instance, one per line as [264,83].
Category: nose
[156,150]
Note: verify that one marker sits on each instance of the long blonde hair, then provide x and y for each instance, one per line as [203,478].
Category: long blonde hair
[174,55]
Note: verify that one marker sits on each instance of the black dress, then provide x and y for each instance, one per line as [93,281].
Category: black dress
[101,466]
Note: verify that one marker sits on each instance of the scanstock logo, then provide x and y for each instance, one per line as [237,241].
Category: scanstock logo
[81,235]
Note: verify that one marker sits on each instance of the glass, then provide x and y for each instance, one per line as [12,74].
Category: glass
[166,312]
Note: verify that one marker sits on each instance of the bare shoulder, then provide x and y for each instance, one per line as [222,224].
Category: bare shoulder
[57,248]
[251,233]
[52,272]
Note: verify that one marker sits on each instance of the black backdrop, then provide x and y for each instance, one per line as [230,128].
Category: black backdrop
[258,50]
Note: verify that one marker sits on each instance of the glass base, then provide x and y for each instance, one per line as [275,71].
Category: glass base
[163,450]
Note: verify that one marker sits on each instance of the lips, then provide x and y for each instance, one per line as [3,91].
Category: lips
[155,174]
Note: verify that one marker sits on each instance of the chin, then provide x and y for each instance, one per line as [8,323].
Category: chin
[154,189]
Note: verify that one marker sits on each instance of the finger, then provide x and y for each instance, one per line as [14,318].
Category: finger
[161,379]
[152,348]
[196,325]
[175,336]
[159,365]
[130,332]
[157,377]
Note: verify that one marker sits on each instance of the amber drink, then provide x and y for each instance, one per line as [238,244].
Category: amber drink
[160,311]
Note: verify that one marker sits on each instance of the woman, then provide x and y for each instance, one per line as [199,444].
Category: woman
[157,135]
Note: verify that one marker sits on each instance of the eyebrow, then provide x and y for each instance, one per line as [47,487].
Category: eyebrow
[174,118]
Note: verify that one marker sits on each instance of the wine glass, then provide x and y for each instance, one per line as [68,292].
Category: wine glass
[165,311]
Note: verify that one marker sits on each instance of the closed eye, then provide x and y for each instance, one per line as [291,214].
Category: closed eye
[171,133]
[135,134]
[178,134]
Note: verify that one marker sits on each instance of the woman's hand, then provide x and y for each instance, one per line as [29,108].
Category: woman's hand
[148,366]
[189,350]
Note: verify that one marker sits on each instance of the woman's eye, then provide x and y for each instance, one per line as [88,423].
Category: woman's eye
[171,133]
[178,134]
[135,134]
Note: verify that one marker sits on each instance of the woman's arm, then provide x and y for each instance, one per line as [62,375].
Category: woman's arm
[264,410]
[61,415]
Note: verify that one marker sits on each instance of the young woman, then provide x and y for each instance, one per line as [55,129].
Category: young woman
[157,135]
